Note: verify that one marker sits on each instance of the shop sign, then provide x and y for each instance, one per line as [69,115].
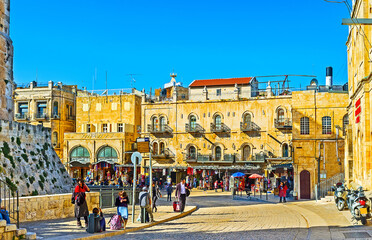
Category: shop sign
[143,147]
[146,139]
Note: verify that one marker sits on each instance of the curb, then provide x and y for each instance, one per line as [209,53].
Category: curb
[120,232]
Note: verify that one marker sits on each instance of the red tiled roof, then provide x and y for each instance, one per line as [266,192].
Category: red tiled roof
[220,82]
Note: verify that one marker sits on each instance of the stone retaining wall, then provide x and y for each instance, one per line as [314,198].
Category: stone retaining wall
[36,208]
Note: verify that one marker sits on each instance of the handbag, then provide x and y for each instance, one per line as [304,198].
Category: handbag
[187,192]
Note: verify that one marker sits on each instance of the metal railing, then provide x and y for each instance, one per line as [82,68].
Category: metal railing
[159,129]
[218,128]
[190,157]
[108,195]
[9,200]
[165,154]
[194,128]
[41,115]
[283,123]
[325,185]
[21,116]
[250,193]
[249,127]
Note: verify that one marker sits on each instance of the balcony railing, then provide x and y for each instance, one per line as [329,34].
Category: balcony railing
[249,127]
[204,158]
[256,158]
[41,116]
[209,158]
[194,128]
[219,128]
[55,116]
[190,157]
[21,116]
[71,117]
[159,129]
[285,123]
[164,154]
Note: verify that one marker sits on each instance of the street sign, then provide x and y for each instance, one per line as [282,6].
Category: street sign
[146,139]
[134,156]
[143,147]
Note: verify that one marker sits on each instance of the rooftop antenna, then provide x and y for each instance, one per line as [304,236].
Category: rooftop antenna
[132,79]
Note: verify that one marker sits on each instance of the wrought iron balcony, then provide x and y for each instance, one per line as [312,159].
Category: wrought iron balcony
[40,115]
[159,129]
[166,154]
[284,123]
[219,128]
[190,157]
[194,128]
[256,158]
[21,116]
[249,127]
[204,158]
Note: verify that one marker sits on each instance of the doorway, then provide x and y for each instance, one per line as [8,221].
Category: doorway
[305,184]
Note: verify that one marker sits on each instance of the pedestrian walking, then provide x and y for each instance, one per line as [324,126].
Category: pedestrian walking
[215,186]
[169,192]
[181,193]
[121,203]
[79,199]
[145,202]
[282,191]
[155,195]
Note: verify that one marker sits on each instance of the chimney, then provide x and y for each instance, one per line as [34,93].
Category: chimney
[329,75]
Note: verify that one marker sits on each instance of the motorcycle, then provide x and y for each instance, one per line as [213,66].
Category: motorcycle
[359,205]
[340,195]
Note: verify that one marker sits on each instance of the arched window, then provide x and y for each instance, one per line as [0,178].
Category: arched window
[162,124]
[80,154]
[107,154]
[155,123]
[55,109]
[192,152]
[345,122]
[162,148]
[326,125]
[155,148]
[281,116]
[285,150]
[217,122]
[192,122]
[246,153]
[55,139]
[218,153]
[304,126]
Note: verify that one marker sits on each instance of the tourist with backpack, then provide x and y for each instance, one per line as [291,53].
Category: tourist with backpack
[79,199]
[121,203]
[145,202]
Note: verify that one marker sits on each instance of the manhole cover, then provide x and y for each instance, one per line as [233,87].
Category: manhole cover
[357,235]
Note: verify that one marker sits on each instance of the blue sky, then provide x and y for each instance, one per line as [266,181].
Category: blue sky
[67,40]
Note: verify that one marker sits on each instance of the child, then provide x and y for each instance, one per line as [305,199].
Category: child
[102,221]
[122,202]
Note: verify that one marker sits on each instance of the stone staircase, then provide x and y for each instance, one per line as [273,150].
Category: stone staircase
[10,232]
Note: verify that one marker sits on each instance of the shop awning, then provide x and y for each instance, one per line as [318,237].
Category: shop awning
[78,163]
[109,161]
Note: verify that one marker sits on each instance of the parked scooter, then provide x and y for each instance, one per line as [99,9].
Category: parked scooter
[340,195]
[359,205]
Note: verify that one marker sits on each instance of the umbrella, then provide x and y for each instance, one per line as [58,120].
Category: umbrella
[238,174]
[253,176]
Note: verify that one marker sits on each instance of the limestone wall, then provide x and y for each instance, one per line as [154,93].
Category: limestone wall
[28,160]
[36,208]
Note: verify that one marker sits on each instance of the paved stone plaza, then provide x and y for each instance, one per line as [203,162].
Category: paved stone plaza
[220,217]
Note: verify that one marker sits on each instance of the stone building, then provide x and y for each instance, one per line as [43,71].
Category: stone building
[6,63]
[52,105]
[358,160]
[227,125]
[106,128]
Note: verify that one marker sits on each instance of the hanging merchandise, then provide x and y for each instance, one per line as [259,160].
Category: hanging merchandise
[203,174]
[195,171]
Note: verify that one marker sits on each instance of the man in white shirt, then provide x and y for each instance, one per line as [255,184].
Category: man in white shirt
[181,194]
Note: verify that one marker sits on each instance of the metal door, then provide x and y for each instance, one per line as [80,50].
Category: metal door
[305,184]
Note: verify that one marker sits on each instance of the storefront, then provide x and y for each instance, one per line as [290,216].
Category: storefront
[79,163]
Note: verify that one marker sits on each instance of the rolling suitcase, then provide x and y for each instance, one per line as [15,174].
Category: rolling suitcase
[176,206]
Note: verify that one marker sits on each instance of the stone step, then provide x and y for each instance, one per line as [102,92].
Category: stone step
[30,236]
[10,228]
[21,231]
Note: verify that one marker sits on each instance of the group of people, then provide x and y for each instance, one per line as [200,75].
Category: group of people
[122,201]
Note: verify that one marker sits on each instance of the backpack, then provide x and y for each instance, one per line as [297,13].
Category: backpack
[145,195]
[115,222]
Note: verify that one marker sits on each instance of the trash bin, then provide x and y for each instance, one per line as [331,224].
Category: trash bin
[93,223]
